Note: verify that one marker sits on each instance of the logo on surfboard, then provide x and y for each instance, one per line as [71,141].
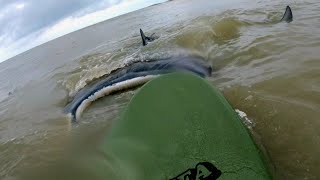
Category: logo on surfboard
[202,171]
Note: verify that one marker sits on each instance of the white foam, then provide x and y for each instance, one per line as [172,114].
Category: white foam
[245,118]
[130,83]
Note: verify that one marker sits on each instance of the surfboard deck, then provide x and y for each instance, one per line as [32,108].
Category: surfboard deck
[178,126]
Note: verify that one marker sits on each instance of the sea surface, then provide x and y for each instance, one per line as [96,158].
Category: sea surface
[268,69]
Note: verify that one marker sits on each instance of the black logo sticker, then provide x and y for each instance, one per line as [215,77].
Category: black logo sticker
[202,171]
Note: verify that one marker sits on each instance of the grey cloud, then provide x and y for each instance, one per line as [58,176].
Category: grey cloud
[98,6]
[39,14]
[4,3]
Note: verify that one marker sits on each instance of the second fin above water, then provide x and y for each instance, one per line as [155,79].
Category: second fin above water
[287,16]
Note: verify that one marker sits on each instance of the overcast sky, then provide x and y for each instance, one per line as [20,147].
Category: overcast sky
[25,24]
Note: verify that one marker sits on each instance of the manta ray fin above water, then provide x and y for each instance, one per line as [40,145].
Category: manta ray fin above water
[145,39]
[287,16]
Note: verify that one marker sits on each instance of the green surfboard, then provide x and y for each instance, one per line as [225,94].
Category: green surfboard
[178,126]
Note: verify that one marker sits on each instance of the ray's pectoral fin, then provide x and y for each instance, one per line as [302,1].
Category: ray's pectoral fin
[288,17]
[146,39]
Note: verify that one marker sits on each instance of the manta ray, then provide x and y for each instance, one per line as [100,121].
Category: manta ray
[135,75]
[138,73]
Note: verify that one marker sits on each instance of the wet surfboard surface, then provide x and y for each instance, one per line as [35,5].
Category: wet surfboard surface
[178,126]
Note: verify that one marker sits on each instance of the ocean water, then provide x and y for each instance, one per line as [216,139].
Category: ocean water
[267,69]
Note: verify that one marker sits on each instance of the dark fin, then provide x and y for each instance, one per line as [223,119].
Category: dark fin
[144,38]
[288,17]
[151,38]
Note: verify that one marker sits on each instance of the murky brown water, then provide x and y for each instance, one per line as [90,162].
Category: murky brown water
[267,69]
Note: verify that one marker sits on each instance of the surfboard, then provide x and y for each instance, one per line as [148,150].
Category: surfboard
[178,126]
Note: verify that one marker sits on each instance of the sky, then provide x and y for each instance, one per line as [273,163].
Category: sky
[25,24]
